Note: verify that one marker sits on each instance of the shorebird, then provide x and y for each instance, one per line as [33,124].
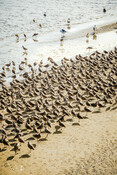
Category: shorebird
[28,126]
[20,139]
[40,126]
[94,37]
[9,122]
[86,109]
[24,35]
[44,14]
[87,35]
[35,40]
[61,124]
[89,48]
[1,117]
[5,140]
[79,116]
[35,129]
[8,64]
[94,29]
[17,36]
[37,136]
[24,48]
[3,131]
[30,146]
[68,20]
[35,34]
[16,147]
[47,132]
[104,10]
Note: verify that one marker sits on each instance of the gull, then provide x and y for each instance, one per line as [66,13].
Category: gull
[63,31]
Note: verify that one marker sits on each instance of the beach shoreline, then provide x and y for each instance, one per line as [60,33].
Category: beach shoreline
[84,146]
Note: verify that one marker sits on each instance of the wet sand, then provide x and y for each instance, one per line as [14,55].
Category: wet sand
[90,148]
[83,147]
[107,28]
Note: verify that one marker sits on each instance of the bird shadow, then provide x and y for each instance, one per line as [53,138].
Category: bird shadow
[8,126]
[14,149]
[10,158]
[42,139]
[23,130]
[12,144]
[34,145]
[113,108]
[57,127]
[12,140]
[24,156]
[10,134]
[52,121]
[69,120]
[57,132]
[26,133]
[107,109]
[3,149]
[85,117]
[75,124]
[30,138]
[97,111]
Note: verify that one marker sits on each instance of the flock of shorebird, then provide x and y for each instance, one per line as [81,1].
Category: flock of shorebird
[51,95]
[33,36]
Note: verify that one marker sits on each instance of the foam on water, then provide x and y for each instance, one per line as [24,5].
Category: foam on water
[17,17]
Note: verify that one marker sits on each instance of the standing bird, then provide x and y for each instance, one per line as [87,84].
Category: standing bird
[94,29]
[68,20]
[37,136]
[34,20]
[30,146]
[47,132]
[24,35]
[40,25]
[104,10]
[61,124]
[44,14]
[1,117]
[24,48]
[87,35]
[17,36]
[16,147]
[20,139]
[5,140]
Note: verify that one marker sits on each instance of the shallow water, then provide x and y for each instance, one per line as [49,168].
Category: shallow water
[16,17]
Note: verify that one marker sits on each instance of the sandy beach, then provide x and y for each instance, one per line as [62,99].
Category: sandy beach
[90,148]
[77,145]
